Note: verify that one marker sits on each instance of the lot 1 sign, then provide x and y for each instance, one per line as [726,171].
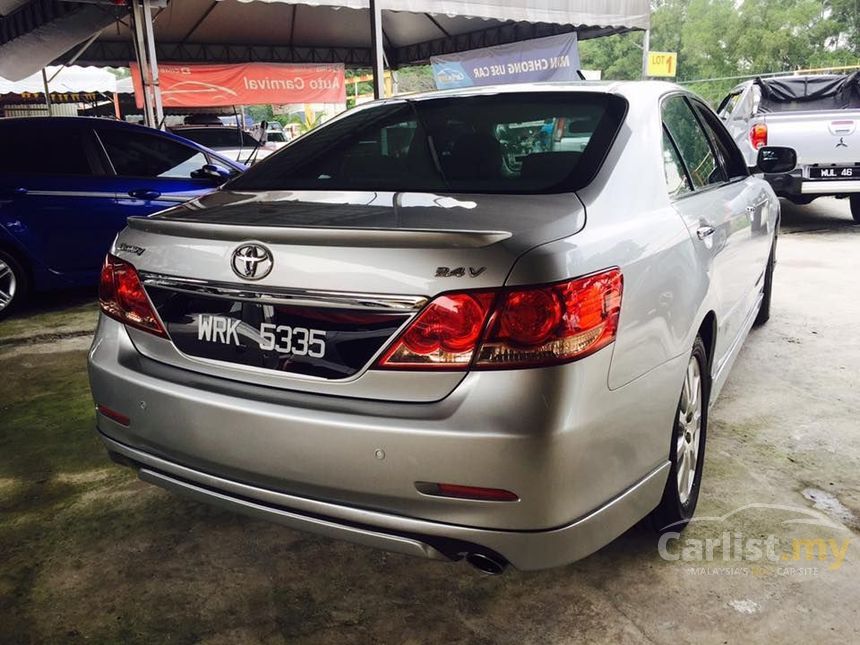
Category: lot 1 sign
[662,63]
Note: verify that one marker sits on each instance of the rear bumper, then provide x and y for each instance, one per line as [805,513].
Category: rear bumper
[525,550]
[796,185]
[587,462]
[830,187]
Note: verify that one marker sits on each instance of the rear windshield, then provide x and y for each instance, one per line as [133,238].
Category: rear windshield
[508,143]
[218,137]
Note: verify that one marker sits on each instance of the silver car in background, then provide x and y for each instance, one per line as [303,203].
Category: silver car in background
[431,327]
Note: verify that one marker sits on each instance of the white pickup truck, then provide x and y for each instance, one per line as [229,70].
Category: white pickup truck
[818,116]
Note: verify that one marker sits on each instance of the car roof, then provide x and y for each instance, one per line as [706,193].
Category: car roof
[75,120]
[625,88]
[81,121]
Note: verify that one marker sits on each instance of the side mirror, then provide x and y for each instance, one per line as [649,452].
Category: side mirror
[212,172]
[776,159]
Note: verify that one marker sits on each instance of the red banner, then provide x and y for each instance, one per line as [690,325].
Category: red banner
[196,85]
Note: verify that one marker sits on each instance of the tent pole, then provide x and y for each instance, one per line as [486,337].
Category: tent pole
[153,64]
[47,93]
[377,55]
[77,55]
[140,52]
[646,45]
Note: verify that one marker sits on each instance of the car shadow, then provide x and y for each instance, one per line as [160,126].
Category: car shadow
[824,214]
[51,301]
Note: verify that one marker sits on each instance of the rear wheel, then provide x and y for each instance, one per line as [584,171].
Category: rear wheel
[13,283]
[764,311]
[854,200]
[687,450]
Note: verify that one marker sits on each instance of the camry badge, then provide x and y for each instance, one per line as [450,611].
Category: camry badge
[252,261]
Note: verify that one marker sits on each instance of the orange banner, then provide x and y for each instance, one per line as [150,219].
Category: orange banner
[196,85]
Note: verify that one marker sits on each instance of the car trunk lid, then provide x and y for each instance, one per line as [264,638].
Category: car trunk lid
[348,271]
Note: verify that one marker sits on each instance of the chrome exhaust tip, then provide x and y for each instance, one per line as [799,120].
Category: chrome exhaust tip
[487,564]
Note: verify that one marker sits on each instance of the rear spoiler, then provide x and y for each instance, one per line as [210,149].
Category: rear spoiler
[322,235]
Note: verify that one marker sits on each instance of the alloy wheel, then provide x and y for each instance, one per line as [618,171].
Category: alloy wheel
[8,285]
[690,430]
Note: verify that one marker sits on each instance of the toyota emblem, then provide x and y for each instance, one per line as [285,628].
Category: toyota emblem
[252,261]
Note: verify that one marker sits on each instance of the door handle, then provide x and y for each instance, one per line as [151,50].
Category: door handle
[754,208]
[704,232]
[144,193]
[19,191]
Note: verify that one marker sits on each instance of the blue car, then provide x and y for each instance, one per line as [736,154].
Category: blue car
[67,185]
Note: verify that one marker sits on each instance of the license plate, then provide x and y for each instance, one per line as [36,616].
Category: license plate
[835,172]
[283,339]
[328,342]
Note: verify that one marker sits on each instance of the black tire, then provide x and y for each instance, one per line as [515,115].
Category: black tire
[673,512]
[764,312]
[854,201]
[14,283]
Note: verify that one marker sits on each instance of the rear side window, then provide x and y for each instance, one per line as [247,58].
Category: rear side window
[508,143]
[677,182]
[727,150]
[137,154]
[692,143]
[48,150]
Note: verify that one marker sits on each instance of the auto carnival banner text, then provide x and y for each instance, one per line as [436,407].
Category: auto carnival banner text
[245,84]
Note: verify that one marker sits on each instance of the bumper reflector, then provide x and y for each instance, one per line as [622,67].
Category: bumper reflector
[113,415]
[467,492]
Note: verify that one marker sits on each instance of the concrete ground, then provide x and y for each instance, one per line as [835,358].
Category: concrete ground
[88,553]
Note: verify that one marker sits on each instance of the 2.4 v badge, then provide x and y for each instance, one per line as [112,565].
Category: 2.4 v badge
[252,261]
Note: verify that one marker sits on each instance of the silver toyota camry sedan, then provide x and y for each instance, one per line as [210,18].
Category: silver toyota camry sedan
[483,324]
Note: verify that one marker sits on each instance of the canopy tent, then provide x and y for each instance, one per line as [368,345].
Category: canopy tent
[36,32]
[358,33]
[70,86]
[63,80]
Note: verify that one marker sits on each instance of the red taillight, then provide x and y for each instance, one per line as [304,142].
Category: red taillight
[529,317]
[758,135]
[554,324]
[512,328]
[444,334]
[122,297]
[467,492]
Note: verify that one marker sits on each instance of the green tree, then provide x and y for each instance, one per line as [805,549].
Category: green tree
[728,38]
[618,57]
[846,13]
[417,78]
